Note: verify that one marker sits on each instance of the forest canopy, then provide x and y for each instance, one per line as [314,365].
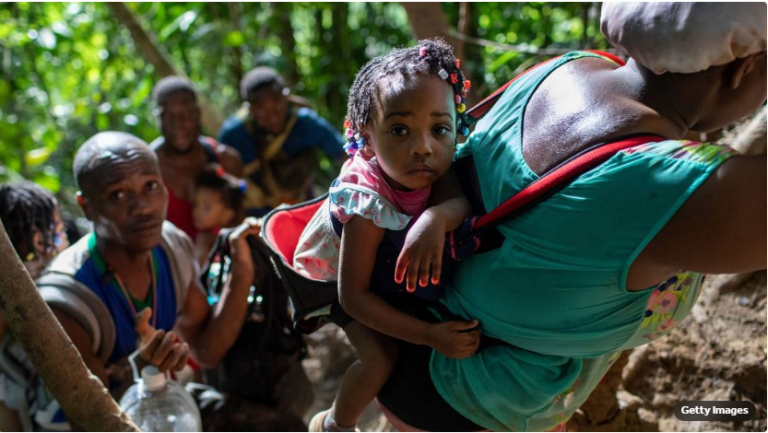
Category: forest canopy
[69,70]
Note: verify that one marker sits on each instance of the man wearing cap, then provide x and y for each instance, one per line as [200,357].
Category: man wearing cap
[278,140]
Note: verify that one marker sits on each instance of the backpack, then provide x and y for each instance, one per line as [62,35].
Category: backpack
[61,290]
[267,347]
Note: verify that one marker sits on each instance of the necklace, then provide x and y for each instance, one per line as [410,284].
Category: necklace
[153,291]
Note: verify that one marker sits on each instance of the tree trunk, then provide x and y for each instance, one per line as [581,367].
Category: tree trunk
[283,13]
[236,52]
[81,395]
[428,21]
[160,60]
[463,27]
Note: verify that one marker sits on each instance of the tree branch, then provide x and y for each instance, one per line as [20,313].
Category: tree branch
[428,21]
[522,48]
[160,60]
[81,395]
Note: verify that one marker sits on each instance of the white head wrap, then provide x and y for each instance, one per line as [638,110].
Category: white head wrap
[685,37]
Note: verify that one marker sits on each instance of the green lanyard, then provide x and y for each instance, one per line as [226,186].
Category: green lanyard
[134,305]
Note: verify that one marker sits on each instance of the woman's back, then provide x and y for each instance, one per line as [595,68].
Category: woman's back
[557,290]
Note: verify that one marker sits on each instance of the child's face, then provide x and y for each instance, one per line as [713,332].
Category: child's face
[43,255]
[413,130]
[209,211]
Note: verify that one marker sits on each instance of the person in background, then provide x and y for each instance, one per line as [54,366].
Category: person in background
[33,222]
[278,141]
[181,149]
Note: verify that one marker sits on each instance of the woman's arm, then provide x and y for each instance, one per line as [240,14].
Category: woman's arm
[359,244]
[721,228]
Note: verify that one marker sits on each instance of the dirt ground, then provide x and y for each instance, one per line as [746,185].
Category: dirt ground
[717,353]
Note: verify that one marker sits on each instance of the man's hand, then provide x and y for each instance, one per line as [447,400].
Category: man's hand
[423,249]
[159,348]
[455,339]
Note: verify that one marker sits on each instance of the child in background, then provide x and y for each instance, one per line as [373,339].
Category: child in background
[382,230]
[218,204]
[36,230]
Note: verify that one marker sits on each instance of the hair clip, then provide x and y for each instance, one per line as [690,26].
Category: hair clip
[352,146]
[220,171]
[458,63]
[30,257]
[443,74]
[349,133]
[464,130]
[457,98]
[461,108]
[467,84]
[454,78]
[347,123]
[242,185]
[422,52]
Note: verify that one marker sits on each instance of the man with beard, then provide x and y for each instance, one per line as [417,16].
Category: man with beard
[181,149]
[132,283]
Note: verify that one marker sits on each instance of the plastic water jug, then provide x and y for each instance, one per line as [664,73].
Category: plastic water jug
[155,403]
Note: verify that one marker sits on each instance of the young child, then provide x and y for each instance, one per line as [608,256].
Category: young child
[36,230]
[378,228]
[218,204]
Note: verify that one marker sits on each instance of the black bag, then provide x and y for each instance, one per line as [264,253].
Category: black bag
[267,347]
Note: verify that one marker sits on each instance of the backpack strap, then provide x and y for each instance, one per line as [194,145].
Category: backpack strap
[64,292]
[558,177]
[184,267]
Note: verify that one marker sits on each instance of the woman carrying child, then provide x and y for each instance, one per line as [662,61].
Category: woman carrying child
[387,214]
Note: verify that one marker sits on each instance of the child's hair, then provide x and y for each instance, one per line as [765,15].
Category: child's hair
[232,189]
[261,78]
[24,209]
[430,56]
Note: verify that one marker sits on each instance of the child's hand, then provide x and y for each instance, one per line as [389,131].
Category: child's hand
[423,249]
[455,339]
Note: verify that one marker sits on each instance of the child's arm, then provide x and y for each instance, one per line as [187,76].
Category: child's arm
[359,244]
[423,247]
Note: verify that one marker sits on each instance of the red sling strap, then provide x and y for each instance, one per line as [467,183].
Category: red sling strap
[559,177]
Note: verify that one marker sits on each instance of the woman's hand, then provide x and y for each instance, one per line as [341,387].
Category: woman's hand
[455,339]
[423,249]
[159,348]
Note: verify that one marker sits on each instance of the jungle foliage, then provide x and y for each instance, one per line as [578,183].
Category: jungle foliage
[68,70]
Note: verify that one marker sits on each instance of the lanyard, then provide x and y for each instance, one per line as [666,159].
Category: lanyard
[153,288]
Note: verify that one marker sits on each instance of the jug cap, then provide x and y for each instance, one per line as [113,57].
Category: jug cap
[152,377]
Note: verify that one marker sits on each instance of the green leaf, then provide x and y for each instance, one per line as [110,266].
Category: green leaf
[234,39]
[37,156]
[182,22]
[502,60]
